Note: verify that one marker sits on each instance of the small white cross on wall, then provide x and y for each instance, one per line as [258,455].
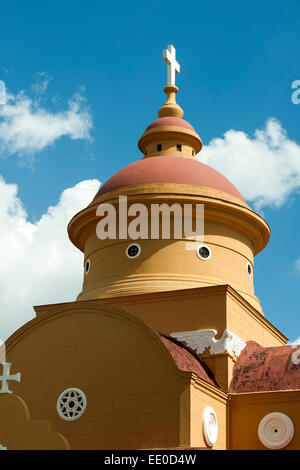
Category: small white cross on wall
[5,377]
[169,56]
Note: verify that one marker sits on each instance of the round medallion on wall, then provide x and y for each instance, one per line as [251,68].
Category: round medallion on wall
[71,404]
[210,426]
[276,430]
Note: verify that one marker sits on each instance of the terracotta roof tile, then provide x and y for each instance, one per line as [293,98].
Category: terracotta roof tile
[265,369]
[187,361]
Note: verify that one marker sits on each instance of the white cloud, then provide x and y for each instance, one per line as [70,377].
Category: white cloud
[41,83]
[27,128]
[296,341]
[265,168]
[39,264]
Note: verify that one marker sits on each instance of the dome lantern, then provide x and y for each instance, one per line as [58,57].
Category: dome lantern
[170,135]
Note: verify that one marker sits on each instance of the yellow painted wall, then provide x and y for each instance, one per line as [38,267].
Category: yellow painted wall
[249,325]
[169,147]
[247,410]
[221,366]
[218,307]
[199,401]
[136,396]
[19,432]
[167,264]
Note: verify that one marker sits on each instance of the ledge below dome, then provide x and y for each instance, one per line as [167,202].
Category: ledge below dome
[155,283]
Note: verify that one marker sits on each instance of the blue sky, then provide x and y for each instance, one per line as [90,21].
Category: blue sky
[238,61]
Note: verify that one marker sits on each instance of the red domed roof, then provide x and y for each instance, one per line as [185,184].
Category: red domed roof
[170,121]
[168,169]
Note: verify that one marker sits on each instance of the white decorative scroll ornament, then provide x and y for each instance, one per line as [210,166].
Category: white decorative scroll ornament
[199,340]
[71,404]
[210,426]
[276,430]
[169,56]
[6,377]
[2,447]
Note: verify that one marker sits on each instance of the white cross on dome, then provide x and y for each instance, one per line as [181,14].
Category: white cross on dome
[173,67]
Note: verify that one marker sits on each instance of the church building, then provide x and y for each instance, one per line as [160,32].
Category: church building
[166,345]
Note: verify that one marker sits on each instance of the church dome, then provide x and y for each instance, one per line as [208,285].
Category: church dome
[169,169]
[169,175]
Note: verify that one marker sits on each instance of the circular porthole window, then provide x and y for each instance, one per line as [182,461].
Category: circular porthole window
[210,426]
[276,430]
[71,404]
[87,266]
[133,250]
[249,269]
[203,252]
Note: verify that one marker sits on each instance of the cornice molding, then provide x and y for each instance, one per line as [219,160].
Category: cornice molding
[218,206]
[223,289]
[265,396]
[209,389]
